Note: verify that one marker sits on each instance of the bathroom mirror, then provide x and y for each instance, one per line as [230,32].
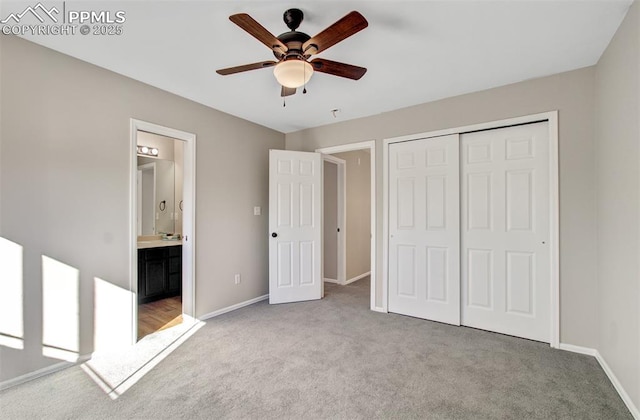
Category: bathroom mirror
[156,196]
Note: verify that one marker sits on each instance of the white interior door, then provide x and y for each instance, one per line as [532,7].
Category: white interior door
[505,231]
[424,229]
[295,226]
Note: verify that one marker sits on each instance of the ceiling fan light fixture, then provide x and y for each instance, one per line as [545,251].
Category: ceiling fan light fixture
[293,73]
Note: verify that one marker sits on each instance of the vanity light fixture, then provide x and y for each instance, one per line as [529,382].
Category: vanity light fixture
[149,151]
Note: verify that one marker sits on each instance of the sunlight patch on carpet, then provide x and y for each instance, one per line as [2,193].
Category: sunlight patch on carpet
[117,371]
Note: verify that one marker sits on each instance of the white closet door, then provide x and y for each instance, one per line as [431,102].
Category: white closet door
[505,231]
[424,234]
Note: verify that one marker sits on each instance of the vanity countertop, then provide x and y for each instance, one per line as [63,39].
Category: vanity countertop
[158,243]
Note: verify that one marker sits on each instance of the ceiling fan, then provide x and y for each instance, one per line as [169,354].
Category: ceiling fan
[293,49]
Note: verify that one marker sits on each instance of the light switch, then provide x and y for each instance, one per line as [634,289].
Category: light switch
[257,211]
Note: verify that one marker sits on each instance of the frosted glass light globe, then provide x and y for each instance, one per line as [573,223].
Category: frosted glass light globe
[293,73]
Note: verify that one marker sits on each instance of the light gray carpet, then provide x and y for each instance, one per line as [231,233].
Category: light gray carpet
[336,359]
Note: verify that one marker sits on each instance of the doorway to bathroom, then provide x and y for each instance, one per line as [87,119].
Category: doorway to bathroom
[159,224]
[163,215]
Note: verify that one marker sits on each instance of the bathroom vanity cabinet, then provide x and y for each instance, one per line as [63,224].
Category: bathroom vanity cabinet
[159,273]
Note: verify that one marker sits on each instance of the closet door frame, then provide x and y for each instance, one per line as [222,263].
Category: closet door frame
[554,200]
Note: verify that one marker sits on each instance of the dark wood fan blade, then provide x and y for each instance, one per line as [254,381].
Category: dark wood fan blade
[285,91]
[258,31]
[338,69]
[246,67]
[350,24]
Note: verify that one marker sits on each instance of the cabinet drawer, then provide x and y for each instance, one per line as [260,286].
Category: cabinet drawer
[155,253]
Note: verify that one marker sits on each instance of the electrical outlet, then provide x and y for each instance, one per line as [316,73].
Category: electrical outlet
[237,279]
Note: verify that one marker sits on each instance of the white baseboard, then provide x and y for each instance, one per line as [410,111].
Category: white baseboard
[578,349]
[41,372]
[379,309]
[233,307]
[356,278]
[618,386]
[607,370]
[351,280]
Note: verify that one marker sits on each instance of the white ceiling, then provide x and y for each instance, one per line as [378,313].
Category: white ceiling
[415,51]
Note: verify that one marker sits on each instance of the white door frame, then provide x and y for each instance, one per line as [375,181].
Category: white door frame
[189,217]
[342,218]
[554,191]
[371,146]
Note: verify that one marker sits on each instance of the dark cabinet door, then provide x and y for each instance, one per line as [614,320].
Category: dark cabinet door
[175,283]
[175,264]
[142,276]
[175,274]
[175,270]
[156,273]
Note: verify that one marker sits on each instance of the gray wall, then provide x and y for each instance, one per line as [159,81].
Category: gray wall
[571,93]
[358,241]
[618,172]
[64,174]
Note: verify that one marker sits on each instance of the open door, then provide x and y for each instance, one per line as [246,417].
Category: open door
[295,226]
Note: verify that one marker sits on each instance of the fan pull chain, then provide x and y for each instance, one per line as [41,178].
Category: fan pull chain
[284,101]
[304,75]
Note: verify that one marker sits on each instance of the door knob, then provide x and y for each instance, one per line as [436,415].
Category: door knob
[274,235]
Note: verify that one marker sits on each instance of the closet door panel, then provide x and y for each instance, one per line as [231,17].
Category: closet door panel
[424,220]
[505,231]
